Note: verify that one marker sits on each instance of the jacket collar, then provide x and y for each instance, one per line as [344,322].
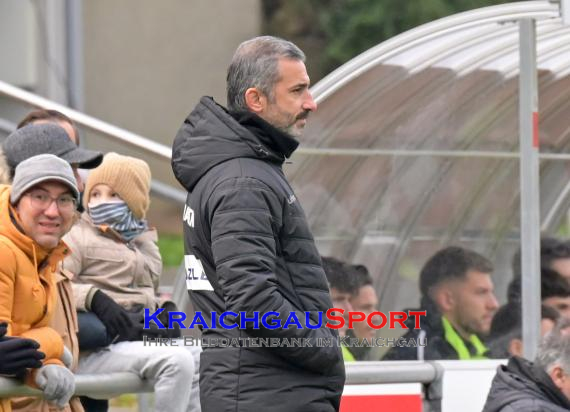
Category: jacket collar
[471,349]
[280,143]
[210,135]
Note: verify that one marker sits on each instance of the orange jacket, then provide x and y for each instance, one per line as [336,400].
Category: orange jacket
[27,285]
[64,322]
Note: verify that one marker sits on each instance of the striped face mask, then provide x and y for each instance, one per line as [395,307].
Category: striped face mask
[117,216]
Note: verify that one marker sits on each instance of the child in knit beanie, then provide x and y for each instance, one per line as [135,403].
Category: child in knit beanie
[113,250]
[117,264]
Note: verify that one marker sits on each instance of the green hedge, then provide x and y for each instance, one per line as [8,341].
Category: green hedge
[171,249]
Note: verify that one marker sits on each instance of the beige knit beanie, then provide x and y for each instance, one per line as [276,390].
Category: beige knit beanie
[128,176]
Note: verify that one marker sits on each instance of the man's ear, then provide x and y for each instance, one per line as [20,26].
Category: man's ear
[515,347]
[255,100]
[444,298]
[558,376]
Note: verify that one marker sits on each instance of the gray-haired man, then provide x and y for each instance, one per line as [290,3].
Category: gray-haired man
[249,248]
[543,386]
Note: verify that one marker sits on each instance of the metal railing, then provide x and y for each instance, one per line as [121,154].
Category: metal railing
[430,374]
[366,373]
[101,127]
[99,385]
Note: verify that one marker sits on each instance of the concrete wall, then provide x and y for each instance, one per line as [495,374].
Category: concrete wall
[18,43]
[147,63]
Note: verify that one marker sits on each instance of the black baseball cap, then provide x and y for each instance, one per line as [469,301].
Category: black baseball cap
[42,138]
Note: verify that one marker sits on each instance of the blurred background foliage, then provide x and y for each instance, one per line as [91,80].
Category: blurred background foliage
[331,32]
[171,249]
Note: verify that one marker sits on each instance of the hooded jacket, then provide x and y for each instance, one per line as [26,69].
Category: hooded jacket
[522,387]
[27,285]
[249,248]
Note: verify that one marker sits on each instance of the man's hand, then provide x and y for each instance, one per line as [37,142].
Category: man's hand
[117,320]
[18,354]
[57,384]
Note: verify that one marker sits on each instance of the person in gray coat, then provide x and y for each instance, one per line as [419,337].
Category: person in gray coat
[542,386]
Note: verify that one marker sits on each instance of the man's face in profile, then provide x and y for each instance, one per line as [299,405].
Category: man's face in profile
[365,301]
[341,300]
[473,303]
[292,101]
[559,303]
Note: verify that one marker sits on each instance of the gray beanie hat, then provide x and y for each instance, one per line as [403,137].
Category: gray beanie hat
[42,168]
[35,139]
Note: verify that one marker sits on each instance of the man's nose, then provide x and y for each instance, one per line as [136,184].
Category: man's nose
[52,210]
[309,104]
[493,302]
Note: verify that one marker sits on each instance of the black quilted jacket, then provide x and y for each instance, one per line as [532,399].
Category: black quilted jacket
[245,226]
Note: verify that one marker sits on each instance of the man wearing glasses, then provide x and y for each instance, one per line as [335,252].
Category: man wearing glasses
[35,213]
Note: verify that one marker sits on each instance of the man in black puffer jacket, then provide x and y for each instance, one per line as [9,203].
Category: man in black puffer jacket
[544,386]
[247,242]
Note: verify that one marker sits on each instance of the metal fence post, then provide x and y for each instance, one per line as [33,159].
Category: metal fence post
[434,390]
[530,187]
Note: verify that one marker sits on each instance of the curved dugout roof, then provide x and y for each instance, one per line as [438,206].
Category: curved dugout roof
[415,143]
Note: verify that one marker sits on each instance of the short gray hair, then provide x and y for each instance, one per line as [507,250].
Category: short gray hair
[555,348]
[255,64]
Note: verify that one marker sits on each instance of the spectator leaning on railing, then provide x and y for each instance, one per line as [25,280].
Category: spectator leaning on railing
[117,266]
[51,132]
[35,213]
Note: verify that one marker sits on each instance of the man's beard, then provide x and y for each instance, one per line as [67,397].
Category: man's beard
[292,128]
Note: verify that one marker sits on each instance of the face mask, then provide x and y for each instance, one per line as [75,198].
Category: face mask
[118,217]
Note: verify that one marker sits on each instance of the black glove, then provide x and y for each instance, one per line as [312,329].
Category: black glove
[138,332]
[18,354]
[168,307]
[117,320]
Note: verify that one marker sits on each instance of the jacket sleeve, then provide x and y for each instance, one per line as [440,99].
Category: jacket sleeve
[50,341]
[7,280]
[146,243]
[74,263]
[245,215]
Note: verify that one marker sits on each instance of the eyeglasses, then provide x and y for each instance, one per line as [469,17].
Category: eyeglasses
[42,201]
